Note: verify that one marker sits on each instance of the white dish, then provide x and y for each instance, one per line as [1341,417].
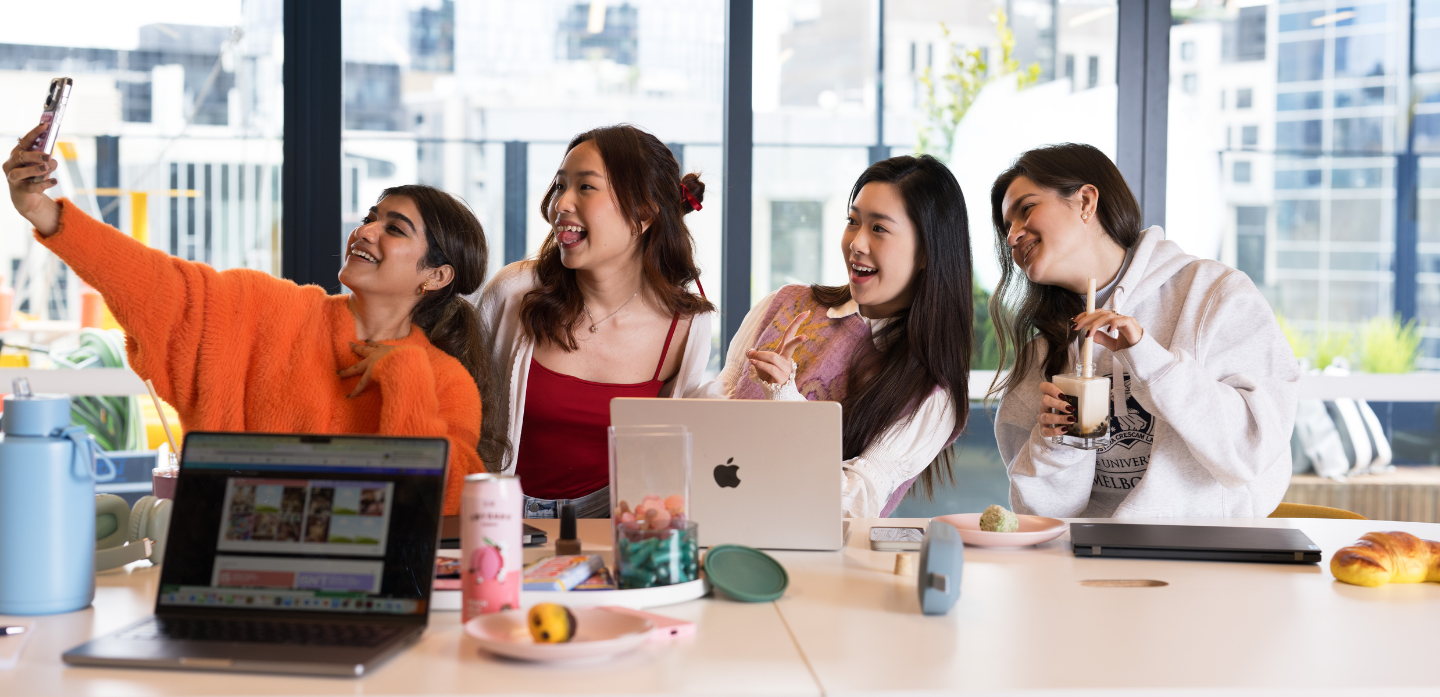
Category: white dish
[636,599]
[1033,530]
[598,634]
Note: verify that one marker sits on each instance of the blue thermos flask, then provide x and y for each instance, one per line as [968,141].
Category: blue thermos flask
[47,507]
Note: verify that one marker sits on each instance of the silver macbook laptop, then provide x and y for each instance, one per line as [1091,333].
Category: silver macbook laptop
[763,474]
[291,554]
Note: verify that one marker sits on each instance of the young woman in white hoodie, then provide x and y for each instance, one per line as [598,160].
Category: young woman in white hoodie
[1203,380]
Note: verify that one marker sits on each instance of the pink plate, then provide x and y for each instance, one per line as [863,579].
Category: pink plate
[598,634]
[1034,529]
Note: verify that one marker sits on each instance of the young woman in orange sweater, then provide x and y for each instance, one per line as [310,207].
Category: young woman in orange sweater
[241,350]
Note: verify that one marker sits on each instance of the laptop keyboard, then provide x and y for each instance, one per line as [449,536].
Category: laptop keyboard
[305,633]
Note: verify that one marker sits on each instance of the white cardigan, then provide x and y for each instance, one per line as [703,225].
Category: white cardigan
[499,308]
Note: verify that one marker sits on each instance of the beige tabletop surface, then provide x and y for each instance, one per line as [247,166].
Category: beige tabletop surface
[848,625]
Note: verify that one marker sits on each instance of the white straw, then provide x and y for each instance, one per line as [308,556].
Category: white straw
[1086,368]
[166,422]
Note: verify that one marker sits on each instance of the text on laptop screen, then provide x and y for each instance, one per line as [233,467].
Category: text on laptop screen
[338,524]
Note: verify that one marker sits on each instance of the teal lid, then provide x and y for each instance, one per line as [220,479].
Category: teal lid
[745,574]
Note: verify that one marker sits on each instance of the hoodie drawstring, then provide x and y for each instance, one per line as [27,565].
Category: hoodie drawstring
[1117,365]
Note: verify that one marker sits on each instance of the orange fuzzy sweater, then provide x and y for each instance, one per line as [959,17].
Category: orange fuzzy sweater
[241,350]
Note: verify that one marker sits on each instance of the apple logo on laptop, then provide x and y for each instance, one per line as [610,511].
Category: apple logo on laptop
[726,475]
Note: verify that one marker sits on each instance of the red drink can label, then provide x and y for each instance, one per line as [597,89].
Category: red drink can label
[491,545]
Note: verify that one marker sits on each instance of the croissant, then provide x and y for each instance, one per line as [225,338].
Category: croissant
[1387,557]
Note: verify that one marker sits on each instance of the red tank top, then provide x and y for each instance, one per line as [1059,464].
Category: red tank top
[564,446]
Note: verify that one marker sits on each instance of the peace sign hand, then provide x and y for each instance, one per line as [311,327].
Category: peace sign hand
[776,367]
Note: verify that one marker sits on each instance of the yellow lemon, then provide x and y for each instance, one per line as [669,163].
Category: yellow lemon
[551,624]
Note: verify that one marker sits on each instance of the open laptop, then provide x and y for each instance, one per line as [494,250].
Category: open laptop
[1197,542]
[763,474]
[291,554]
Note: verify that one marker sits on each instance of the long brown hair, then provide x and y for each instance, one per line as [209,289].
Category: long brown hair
[646,181]
[928,344]
[1024,310]
[453,236]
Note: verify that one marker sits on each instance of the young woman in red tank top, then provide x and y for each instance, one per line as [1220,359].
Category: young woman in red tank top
[603,311]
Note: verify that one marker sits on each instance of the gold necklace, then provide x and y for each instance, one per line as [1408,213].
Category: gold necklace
[595,326]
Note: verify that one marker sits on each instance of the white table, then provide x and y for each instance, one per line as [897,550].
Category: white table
[849,625]
[1025,622]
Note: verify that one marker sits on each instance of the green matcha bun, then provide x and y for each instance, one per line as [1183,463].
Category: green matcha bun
[998,519]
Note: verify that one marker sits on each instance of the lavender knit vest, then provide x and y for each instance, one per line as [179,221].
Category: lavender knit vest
[822,360]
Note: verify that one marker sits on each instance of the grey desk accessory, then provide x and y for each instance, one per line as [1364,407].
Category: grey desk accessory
[942,558]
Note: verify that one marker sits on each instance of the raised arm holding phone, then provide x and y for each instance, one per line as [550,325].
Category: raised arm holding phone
[241,350]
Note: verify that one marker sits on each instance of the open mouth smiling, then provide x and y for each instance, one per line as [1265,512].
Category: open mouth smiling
[569,234]
[357,252]
[860,273]
[1025,253]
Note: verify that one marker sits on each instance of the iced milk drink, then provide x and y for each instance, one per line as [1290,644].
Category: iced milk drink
[1090,400]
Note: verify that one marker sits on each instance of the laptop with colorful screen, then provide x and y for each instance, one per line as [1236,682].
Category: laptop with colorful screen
[291,554]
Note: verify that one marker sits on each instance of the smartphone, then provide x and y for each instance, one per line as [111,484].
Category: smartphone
[55,102]
[886,539]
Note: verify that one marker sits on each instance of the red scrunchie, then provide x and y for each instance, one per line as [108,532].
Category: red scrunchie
[689,197]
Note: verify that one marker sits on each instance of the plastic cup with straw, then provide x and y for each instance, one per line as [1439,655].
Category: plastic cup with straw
[1085,393]
[164,477]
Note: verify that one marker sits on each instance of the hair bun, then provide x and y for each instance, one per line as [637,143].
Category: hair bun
[692,182]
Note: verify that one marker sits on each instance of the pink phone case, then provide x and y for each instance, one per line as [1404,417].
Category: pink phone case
[666,628]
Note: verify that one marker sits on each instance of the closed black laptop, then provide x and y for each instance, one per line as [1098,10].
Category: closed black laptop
[291,554]
[1198,542]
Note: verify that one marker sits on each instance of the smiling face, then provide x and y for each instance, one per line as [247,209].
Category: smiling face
[1053,239]
[383,257]
[882,249]
[587,222]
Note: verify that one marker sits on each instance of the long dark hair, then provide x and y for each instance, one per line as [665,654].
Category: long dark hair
[646,181]
[453,236]
[1024,310]
[928,345]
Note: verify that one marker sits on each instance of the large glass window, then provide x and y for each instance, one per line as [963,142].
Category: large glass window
[963,81]
[480,98]
[1316,226]
[173,135]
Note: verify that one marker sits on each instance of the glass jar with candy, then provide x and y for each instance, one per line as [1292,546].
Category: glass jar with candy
[655,541]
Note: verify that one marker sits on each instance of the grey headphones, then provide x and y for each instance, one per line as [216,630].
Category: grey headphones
[124,535]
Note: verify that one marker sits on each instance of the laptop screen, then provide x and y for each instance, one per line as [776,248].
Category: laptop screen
[342,524]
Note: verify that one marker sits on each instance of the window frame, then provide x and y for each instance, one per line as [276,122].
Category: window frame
[312,188]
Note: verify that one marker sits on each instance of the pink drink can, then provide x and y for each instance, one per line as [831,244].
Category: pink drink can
[491,544]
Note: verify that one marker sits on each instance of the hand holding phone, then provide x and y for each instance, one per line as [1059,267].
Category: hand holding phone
[21,169]
[28,168]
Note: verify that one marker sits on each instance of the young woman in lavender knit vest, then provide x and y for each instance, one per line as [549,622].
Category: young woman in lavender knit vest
[892,346]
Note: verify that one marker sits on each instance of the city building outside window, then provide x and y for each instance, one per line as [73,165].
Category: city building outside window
[1249,137]
[1335,81]
[172,134]
[489,92]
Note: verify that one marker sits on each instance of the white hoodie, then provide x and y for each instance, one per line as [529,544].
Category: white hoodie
[1216,373]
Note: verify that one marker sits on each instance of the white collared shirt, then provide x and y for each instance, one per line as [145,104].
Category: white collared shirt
[900,453]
